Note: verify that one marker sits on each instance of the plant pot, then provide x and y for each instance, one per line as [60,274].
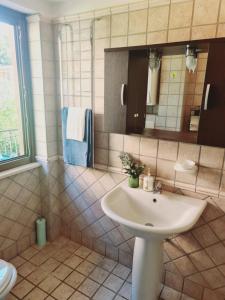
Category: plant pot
[133,182]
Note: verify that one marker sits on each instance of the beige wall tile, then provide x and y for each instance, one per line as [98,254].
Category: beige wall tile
[131,144]
[211,157]
[167,150]
[102,27]
[221,30]
[119,41]
[137,21]
[181,34]
[119,24]
[100,45]
[149,162]
[116,141]
[165,169]
[101,140]
[148,147]
[136,39]
[205,12]
[222,11]
[208,180]
[203,32]
[181,14]
[114,160]
[157,37]
[101,156]
[158,18]
[188,151]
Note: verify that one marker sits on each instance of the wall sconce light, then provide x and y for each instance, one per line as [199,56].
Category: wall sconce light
[191,58]
[154,60]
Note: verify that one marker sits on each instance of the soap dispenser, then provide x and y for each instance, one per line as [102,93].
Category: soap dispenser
[148,182]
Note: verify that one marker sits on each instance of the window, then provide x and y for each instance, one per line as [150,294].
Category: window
[15,97]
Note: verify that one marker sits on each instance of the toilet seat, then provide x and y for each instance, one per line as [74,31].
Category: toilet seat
[8,276]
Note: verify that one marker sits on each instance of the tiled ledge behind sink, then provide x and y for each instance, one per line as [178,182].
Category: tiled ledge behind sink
[161,156]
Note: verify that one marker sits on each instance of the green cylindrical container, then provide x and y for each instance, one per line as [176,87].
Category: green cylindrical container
[133,182]
[41,231]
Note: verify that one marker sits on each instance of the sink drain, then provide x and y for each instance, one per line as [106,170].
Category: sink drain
[149,224]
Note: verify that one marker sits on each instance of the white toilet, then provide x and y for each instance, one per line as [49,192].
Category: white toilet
[8,275]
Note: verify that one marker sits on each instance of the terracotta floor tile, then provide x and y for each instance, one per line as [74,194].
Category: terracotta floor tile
[28,253]
[107,264]
[103,294]
[50,265]
[22,289]
[85,268]
[114,283]
[121,271]
[37,276]
[78,296]
[36,294]
[95,258]
[99,275]
[49,284]
[62,272]
[17,261]
[75,279]
[73,261]
[83,252]
[11,297]
[62,292]
[26,269]
[88,287]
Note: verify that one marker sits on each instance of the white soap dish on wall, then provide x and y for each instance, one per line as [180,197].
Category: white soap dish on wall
[186,166]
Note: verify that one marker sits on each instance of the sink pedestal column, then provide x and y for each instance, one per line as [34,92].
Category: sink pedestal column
[147,269]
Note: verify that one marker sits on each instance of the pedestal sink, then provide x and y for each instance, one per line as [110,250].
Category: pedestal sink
[150,218]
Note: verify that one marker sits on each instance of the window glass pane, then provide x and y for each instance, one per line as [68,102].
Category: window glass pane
[11,132]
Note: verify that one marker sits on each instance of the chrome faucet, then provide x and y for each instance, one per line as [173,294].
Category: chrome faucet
[157,188]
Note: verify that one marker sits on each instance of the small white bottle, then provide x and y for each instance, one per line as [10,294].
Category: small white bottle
[148,182]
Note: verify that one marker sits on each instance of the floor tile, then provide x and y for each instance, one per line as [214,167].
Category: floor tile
[85,268]
[75,279]
[50,265]
[37,276]
[114,283]
[107,264]
[17,261]
[99,275]
[78,296]
[36,294]
[95,258]
[26,269]
[62,272]
[11,297]
[122,271]
[28,253]
[73,261]
[125,291]
[61,255]
[88,287]
[103,294]
[22,289]
[62,292]
[83,252]
[49,284]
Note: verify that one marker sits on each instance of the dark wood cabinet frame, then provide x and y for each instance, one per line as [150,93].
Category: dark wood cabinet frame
[212,121]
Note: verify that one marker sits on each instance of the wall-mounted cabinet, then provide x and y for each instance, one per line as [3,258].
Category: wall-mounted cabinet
[187,106]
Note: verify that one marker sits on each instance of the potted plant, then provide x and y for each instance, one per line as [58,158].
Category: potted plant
[132,168]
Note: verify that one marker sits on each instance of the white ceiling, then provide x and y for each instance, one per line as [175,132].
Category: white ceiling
[56,8]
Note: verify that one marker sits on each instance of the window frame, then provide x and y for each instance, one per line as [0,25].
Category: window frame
[18,20]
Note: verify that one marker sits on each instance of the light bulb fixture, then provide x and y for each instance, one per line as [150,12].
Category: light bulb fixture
[154,60]
[191,58]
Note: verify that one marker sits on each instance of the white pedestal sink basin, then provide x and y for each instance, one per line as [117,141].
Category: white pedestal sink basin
[151,218]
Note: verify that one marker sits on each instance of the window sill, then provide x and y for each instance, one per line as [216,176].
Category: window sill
[17,170]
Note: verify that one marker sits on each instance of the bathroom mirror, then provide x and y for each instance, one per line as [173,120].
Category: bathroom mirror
[172,91]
